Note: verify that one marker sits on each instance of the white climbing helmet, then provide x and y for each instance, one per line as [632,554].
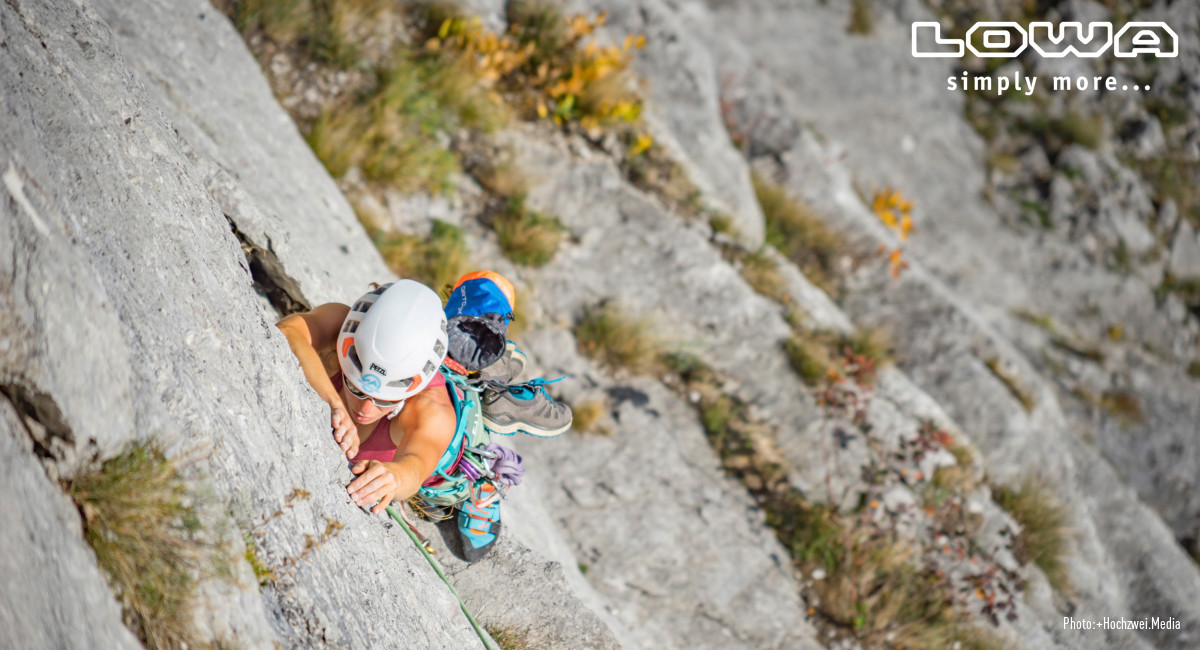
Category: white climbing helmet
[393,340]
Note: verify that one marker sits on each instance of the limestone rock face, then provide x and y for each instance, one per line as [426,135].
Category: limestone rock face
[58,562]
[130,311]
[683,102]
[971,276]
[159,211]
[1184,262]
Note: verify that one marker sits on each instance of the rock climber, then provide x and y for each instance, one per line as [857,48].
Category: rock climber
[376,364]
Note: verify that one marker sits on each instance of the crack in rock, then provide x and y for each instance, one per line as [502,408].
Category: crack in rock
[45,424]
[270,278]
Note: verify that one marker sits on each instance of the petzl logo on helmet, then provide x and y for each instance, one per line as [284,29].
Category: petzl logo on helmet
[370,383]
[375,367]
[1007,39]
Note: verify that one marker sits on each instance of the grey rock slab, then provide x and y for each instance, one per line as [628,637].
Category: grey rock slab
[680,552]
[867,101]
[683,107]
[661,269]
[44,287]
[814,307]
[198,71]
[632,548]
[529,583]
[44,559]
[110,217]
[942,353]
[516,588]
[1184,262]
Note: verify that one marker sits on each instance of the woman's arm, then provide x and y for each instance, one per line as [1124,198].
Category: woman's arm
[309,335]
[425,427]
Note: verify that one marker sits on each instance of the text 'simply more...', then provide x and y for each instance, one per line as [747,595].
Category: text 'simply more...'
[1027,84]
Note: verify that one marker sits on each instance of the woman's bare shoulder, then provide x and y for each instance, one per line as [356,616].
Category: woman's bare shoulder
[429,409]
[426,425]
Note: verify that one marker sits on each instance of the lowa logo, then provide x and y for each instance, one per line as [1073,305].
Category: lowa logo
[1006,39]
[375,367]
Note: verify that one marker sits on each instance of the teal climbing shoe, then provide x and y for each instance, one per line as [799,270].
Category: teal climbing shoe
[479,527]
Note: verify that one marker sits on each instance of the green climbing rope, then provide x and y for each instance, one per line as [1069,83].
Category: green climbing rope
[442,574]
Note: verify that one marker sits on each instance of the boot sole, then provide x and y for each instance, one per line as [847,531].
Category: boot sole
[510,429]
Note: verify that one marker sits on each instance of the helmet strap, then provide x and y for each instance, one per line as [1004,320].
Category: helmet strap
[396,411]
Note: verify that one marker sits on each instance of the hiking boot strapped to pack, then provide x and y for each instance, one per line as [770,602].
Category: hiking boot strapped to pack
[474,473]
[527,408]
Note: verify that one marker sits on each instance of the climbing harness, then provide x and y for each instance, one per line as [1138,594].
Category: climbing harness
[471,459]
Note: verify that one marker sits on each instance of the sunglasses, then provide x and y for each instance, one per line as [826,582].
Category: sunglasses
[383,404]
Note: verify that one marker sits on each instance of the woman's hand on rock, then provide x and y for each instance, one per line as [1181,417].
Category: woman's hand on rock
[376,482]
[344,430]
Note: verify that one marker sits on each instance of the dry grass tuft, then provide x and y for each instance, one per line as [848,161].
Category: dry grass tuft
[871,343]
[437,260]
[509,638]
[722,223]
[606,334]
[809,353]
[801,235]
[502,178]
[1124,406]
[588,414]
[874,585]
[1175,177]
[1014,386]
[142,523]
[815,354]
[527,236]
[391,133]
[1074,127]
[654,171]
[331,31]
[862,21]
[762,274]
[1045,526]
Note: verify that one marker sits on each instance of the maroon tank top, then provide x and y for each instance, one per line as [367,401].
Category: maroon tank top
[379,446]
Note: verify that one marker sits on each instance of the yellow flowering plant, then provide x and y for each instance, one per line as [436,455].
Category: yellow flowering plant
[544,64]
[895,212]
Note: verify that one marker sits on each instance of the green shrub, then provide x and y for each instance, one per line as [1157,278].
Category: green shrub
[329,30]
[262,572]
